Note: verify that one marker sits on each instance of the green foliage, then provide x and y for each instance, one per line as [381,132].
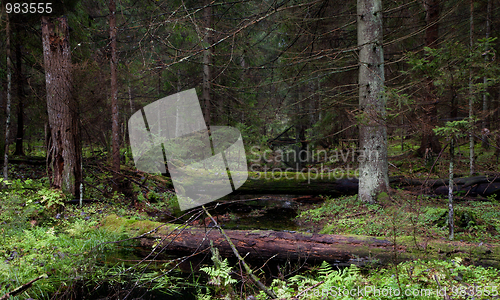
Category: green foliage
[220,275]
[66,257]
[66,243]
[435,215]
[454,129]
[51,198]
[328,280]
[450,65]
[329,209]
[408,280]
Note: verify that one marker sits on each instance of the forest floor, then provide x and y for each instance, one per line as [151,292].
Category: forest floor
[44,232]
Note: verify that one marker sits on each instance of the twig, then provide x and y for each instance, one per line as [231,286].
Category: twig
[22,288]
[445,296]
[235,251]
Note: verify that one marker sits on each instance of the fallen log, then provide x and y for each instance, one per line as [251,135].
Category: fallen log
[295,183]
[28,160]
[261,245]
[329,184]
[471,186]
[298,184]
[264,244]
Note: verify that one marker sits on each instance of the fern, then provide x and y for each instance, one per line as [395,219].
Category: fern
[219,273]
[325,269]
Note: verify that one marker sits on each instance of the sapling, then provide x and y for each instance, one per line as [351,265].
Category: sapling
[452,131]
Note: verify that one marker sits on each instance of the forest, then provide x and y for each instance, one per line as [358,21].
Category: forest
[352,147]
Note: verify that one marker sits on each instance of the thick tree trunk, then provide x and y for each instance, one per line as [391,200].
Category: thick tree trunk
[114,94]
[63,151]
[262,245]
[324,185]
[300,184]
[254,244]
[471,92]
[429,139]
[485,123]
[282,246]
[373,166]
[207,64]
[9,101]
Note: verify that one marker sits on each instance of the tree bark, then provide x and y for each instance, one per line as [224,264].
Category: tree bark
[20,100]
[207,63]
[114,95]
[373,168]
[471,92]
[485,123]
[323,185]
[429,139]
[313,184]
[264,244]
[63,151]
[451,226]
[9,100]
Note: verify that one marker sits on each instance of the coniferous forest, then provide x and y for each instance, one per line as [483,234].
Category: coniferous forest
[368,135]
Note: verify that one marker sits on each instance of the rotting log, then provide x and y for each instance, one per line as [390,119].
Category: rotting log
[258,244]
[261,245]
[298,184]
[29,160]
[326,184]
[471,186]
[264,244]
[322,184]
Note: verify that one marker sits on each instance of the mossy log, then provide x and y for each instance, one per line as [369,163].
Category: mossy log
[298,184]
[28,160]
[254,244]
[471,186]
[314,184]
[261,245]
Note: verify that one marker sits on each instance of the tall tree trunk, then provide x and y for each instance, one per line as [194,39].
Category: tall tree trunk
[471,92]
[429,139]
[373,178]
[114,95]
[64,150]
[9,101]
[20,98]
[207,63]
[451,224]
[485,123]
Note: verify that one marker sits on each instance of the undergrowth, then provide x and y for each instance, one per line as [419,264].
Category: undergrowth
[420,216]
[40,234]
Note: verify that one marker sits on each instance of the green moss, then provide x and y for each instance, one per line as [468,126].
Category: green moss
[119,224]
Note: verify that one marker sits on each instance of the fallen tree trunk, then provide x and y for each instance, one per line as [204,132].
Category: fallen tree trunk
[258,244]
[264,244]
[261,245]
[471,186]
[322,184]
[328,184]
[29,160]
[298,184]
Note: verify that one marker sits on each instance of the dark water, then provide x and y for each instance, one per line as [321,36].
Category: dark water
[239,212]
[248,212]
